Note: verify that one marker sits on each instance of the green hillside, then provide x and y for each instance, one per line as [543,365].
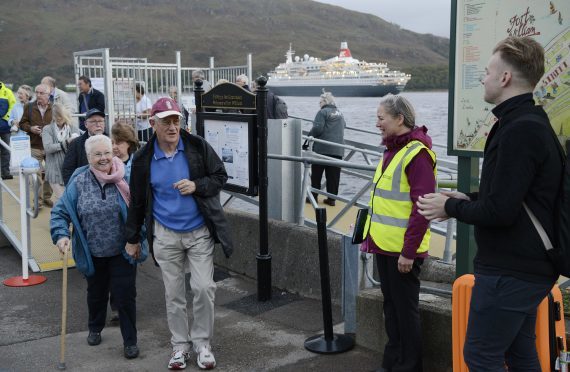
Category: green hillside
[40,36]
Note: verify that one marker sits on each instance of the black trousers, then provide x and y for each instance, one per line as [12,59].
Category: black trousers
[117,275]
[5,155]
[502,322]
[331,173]
[403,351]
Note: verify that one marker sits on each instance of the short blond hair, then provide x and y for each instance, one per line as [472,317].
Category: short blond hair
[525,55]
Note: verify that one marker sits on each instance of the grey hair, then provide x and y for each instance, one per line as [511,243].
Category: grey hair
[398,105]
[98,138]
[198,74]
[244,78]
[28,89]
[48,80]
[43,87]
[327,99]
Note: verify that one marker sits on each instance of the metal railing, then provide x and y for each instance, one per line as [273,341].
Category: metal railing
[117,76]
[371,155]
[31,212]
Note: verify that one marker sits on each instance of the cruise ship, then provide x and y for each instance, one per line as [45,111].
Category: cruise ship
[342,75]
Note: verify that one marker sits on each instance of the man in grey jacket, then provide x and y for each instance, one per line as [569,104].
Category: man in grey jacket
[328,126]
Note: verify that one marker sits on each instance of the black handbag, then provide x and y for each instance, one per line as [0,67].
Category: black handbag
[358,233]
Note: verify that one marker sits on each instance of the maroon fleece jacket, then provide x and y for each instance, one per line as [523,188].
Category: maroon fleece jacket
[422,181]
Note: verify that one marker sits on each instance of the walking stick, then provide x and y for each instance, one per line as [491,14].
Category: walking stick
[61,365]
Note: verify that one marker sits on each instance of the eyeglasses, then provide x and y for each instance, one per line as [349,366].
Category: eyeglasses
[99,122]
[99,155]
[166,123]
[41,93]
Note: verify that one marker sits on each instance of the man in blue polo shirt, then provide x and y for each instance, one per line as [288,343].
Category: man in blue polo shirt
[175,183]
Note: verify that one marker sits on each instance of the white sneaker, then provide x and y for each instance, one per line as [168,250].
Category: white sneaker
[205,358]
[178,360]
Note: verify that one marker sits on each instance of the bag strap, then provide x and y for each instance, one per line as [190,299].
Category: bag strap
[543,235]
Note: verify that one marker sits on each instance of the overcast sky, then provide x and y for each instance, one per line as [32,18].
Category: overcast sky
[423,16]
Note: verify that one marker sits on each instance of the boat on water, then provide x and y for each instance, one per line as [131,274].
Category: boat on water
[341,75]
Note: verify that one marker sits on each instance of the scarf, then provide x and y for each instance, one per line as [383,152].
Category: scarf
[116,176]
[63,133]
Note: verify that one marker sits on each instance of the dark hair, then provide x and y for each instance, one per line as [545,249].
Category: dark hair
[85,79]
[525,55]
[139,88]
[122,132]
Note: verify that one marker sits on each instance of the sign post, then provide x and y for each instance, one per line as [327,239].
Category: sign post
[476,27]
[234,122]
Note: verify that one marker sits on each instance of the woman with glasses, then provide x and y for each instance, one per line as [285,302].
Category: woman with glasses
[95,201]
[56,138]
[396,232]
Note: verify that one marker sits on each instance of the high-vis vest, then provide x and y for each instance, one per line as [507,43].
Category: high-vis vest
[390,203]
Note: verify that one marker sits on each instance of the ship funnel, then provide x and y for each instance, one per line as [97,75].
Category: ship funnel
[344,51]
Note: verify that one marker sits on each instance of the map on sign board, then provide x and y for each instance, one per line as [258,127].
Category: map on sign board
[480,25]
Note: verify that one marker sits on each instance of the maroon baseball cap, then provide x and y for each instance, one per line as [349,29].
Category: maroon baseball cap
[164,107]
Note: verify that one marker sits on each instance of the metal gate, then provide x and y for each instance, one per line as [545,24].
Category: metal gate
[117,77]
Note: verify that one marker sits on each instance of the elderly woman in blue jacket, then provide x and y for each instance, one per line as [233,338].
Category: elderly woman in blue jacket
[95,201]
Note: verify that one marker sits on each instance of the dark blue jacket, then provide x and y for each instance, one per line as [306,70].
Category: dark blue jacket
[65,212]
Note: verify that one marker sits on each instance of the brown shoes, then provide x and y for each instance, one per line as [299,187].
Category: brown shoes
[330,202]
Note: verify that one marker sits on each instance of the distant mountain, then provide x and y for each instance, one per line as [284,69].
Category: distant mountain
[40,36]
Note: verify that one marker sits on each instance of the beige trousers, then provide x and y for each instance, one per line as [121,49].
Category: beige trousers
[46,191]
[174,252]
[57,192]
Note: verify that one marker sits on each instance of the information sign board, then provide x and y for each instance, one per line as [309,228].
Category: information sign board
[477,26]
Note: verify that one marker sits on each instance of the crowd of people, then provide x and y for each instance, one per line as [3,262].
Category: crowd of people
[127,201]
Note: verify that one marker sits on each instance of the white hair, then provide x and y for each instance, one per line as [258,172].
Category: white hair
[244,78]
[327,99]
[96,139]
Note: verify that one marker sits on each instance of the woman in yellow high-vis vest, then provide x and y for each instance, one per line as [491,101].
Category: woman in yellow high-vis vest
[396,232]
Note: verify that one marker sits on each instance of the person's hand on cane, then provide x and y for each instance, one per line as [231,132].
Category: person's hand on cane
[63,244]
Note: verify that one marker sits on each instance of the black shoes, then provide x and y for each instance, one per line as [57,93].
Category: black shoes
[131,352]
[330,202]
[8,177]
[94,338]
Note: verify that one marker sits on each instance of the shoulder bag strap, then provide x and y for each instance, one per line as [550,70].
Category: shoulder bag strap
[543,235]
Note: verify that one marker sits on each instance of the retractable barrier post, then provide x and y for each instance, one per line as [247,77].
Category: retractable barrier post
[29,166]
[329,343]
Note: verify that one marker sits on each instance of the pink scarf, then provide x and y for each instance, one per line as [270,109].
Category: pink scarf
[116,176]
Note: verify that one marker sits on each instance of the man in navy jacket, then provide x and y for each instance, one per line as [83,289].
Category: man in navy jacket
[521,164]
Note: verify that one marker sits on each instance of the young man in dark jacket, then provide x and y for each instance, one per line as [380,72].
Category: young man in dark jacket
[89,98]
[522,165]
[176,179]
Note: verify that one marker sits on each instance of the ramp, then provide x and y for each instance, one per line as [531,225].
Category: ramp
[43,252]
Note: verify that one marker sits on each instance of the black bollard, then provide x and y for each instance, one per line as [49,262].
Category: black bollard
[329,343]
[264,257]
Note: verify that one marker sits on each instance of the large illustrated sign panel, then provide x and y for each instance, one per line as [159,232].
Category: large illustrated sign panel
[479,25]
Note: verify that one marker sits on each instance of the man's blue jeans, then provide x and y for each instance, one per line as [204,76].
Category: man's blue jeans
[502,322]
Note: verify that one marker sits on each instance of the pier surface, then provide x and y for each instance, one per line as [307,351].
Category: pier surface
[249,336]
